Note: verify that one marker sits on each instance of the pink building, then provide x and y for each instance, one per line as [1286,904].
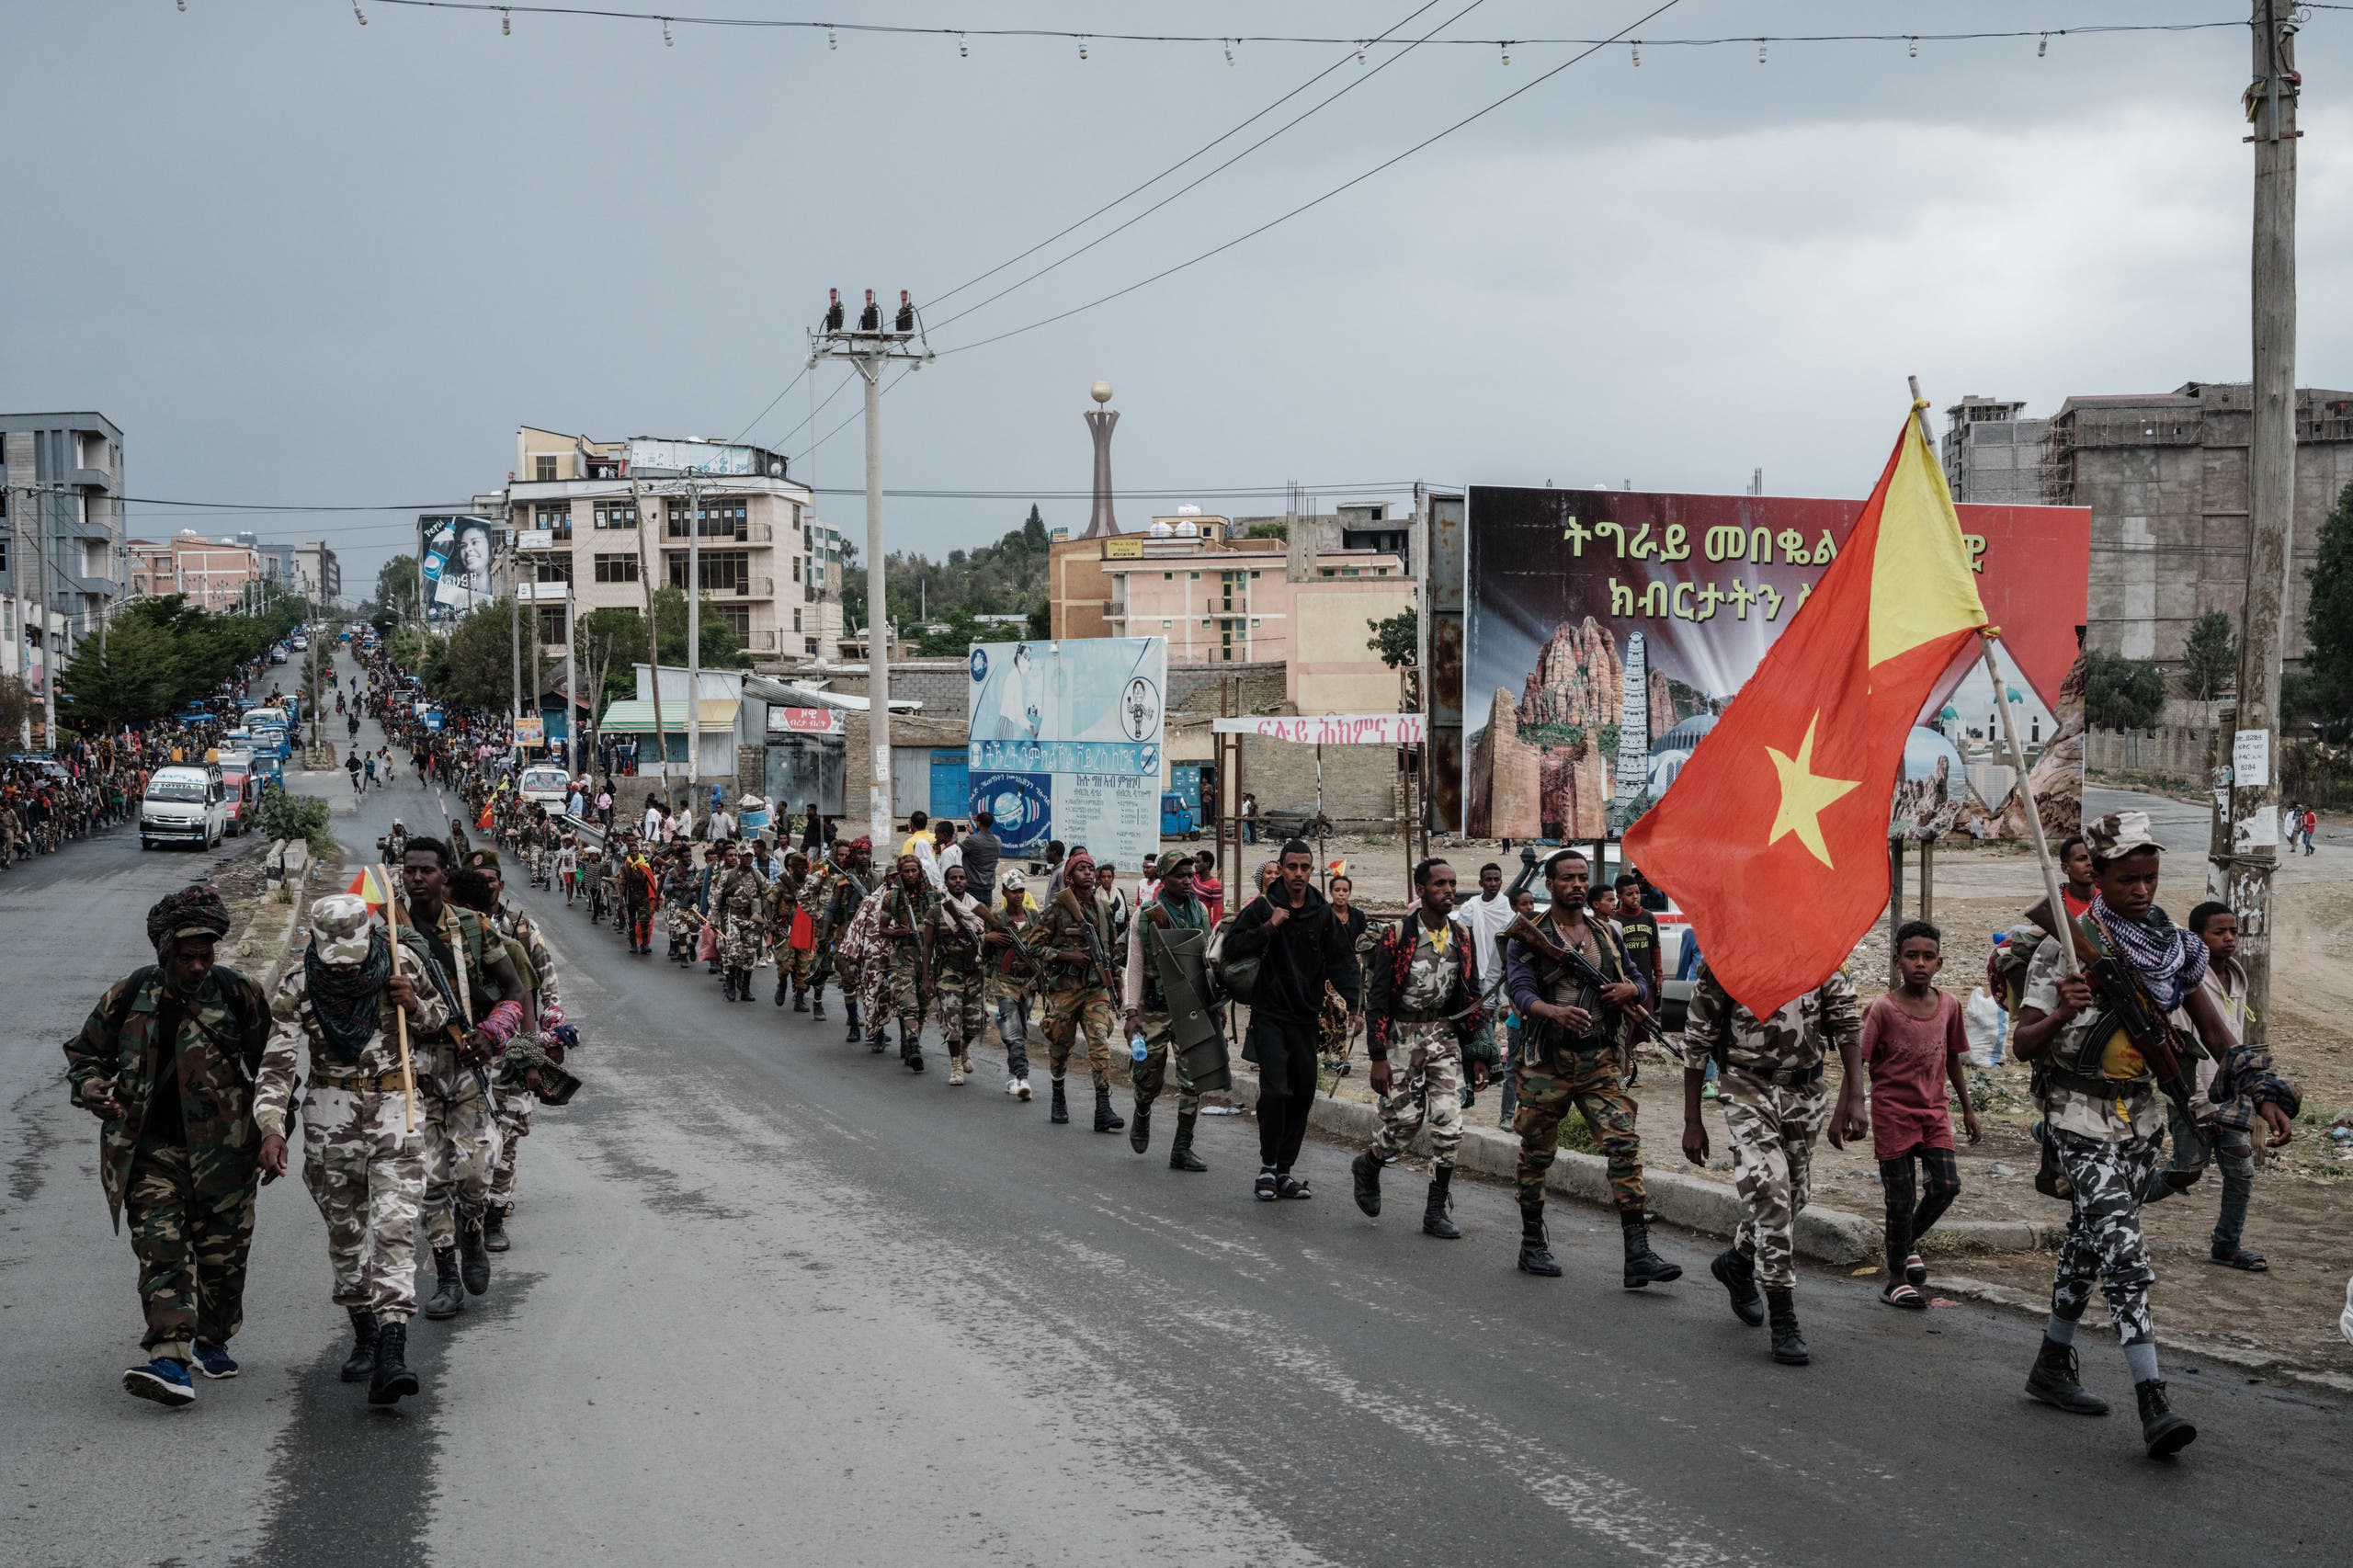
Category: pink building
[212,575]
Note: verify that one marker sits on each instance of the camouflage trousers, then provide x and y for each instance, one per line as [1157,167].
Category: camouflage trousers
[894,983]
[2103,1241]
[535,859]
[366,1172]
[1073,1010]
[739,941]
[1772,1128]
[511,1109]
[1150,1075]
[191,1227]
[1586,1082]
[1426,1091]
[460,1130]
[964,1018]
[796,964]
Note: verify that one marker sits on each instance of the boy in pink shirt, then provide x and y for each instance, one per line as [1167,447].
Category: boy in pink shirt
[1913,1046]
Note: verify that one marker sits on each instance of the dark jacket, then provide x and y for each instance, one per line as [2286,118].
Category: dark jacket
[1306,950]
[982,849]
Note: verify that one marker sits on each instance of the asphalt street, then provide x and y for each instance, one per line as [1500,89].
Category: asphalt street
[774,1299]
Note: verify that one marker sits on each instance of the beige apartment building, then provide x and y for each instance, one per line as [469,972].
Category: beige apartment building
[214,574]
[606,516]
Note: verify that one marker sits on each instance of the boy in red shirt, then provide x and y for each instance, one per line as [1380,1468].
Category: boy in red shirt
[1913,1045]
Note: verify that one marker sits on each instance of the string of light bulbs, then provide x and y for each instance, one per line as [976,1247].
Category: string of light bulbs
[1230,43]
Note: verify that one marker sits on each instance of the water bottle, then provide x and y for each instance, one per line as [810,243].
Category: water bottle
[1137,1050]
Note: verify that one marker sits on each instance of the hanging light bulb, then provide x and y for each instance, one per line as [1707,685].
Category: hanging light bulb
[1916,48]
[359,13]
[668,42]
[505,24]
[1638,54]
[2042,46]
[963,50]
[1506,46]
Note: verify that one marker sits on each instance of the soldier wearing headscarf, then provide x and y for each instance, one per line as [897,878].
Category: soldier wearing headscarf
[363,1148]
[164,1061]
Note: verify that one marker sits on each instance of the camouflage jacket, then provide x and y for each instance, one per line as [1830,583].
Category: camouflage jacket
[1062,928]
[737,893]
[904,910]
[833,899]
[293,1026]
[1411,978]
[523,932]
[220,1040]
[955,948]
[1803,1033]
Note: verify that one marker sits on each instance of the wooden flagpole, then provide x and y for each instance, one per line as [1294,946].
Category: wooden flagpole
[400,1015]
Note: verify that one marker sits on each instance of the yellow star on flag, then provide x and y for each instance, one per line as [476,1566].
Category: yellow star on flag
[1804,795]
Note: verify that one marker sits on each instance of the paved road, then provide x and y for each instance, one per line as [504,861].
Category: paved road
[772,1299]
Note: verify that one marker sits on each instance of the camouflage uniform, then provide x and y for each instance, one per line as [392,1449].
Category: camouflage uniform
[1418,1011]
[833,897]
[454,1112]
[899,974]
[1775,1100]
[189,1196]
[511,1102]
[1548,1081]
[735,902]
[364,1168]
[864,960]
[778,906]
[685,921]
[959,980]
[1077,1000]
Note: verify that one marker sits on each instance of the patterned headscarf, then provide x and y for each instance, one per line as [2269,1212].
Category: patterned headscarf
[194,911]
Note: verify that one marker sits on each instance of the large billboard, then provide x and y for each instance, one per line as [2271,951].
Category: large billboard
[1606,630]
[461,557]
[646,455]
[1066,743]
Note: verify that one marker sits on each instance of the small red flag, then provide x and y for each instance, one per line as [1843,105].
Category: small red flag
[483,822]
[1774,837]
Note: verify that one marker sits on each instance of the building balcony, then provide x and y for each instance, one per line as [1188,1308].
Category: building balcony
[89,478]
[749,588]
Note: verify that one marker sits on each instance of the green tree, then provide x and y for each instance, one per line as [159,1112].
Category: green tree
[17,706]
[474,666]
[397,587]
[136,676]
[606,642]
[1267,530]
[956,641]
[2209,659]
[1033,531]
[2121,693]
[1398,639]
[2328,613]
[1041,621]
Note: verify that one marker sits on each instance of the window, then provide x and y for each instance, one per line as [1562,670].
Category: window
[551,627]
[615,514]
[739,620]
[723,571]
[796,620]
[617,568]
[553,568]
[543,470]
[722,518]
[556,518]
[796,569]
[1168,577]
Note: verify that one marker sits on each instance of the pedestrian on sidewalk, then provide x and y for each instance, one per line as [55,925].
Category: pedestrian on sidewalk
[1913,1047]
[166,1061]
[1301,947]
[1774,1104]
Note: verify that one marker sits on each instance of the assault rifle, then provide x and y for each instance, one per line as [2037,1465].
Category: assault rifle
[2118,991]
[1094,941]
[1022,952]
[1640,1025]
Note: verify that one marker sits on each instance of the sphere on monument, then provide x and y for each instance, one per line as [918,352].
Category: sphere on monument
[1100,392]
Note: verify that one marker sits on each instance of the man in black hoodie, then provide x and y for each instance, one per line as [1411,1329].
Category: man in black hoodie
[1304,946]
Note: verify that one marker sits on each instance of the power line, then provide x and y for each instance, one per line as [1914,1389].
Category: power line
[772,402]
[1232,41]
[1530,85]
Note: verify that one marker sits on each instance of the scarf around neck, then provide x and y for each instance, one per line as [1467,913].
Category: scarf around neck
[2170,961]
[346,1001]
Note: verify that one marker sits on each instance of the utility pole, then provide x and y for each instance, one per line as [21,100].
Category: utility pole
[514,650]
[570,681]
[867,352]
[694,637]
[2242,878]
[645,564]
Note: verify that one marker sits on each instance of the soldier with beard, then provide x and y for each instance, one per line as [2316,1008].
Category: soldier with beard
[951,945]
[1171,942]
[512,1102]
[736,894]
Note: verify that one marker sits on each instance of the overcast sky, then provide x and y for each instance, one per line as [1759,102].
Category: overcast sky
[302,261]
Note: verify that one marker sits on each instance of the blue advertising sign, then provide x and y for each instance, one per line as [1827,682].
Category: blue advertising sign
[1080,723]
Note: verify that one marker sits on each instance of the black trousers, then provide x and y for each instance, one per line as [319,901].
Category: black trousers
[1287,1054]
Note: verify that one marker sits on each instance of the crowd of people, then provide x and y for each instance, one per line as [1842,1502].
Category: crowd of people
[2134,1028]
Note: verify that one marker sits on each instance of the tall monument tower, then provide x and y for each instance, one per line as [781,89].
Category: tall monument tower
[1099,421]
[1634,730]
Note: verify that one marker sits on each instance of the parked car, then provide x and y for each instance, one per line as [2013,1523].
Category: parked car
[183,804]
[240,790]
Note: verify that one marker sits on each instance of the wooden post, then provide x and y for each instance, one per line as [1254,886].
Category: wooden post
[1928,879]
[400,1015]
[1895,900]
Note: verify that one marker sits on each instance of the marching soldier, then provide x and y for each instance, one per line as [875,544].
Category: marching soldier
[1013,979]
[736,899]
[782,904]
[1076,936]
[1171,944]
[164,1061]
[1566,981]
[1769,1075]
[1422,992]
[333,1014]
[511,1102]
[952,942]
[906,909]
[641,895]
[844,894]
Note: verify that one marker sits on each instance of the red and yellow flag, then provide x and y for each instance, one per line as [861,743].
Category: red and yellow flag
[1773,838]
[482,823]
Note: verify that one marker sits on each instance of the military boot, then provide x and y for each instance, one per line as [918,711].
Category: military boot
[1738,1276]
[1434,1222]
[816,1009]
[448,1298]
[1365,1171]
[1534,1255]
[2053,1381]
[474,1255]
[784,983]
[2161,1429]
[910,1046]
[1105,1118]
[361,1362]
[1180,1152]
[1140,1127]
[800,1000]
[1789,1344]
[1644,1266]
[493,1226]
[393,1379]
[849,1011]
[1061,1111]
[727,986]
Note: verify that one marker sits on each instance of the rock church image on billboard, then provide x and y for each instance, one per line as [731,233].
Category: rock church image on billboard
[1606,631]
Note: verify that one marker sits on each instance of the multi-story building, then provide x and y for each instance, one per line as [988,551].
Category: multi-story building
[318,578]
[61,533]
[1991,454]
[605,516]
[276,559]
[212,574]
[817,622]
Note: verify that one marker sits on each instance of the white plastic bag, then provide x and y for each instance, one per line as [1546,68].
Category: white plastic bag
[1980,1021]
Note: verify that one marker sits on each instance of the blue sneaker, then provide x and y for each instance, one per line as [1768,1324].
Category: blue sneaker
[213,1360]
[164,1379]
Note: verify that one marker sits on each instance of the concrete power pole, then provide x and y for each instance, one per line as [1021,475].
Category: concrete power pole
[867,352]
[2242,877]
[694,638]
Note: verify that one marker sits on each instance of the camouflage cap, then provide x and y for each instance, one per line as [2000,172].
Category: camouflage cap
[1170,861]
[2120,834]
[339,929]
[1013,881]
[483,860]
